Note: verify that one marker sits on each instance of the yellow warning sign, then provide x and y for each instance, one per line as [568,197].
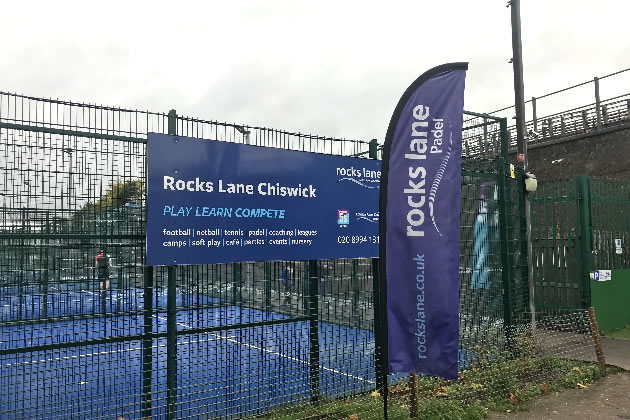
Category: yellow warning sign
[512,174]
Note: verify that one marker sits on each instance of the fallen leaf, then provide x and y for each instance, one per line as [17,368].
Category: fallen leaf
[398,388]
[375,394]
[577,369]
[508,411]
[544,388]
[580,386]
[354,417]
[513,399]
[441,391]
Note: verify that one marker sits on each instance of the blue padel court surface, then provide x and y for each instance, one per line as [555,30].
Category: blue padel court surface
[228,373]
[72,299]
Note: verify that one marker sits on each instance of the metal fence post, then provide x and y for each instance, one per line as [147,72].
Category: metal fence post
[171,344]
[147,344]
[534,118]
[585,120]
[373,151]
[171,318]
[527,288]
[507,276]
[355,292]
[378,304]
[46,271]
[506,243]
[21,276]
[485,133]
[172,122]
[597,103]
[306,298]
[583,196]
[267,286]
[237,282]
[379,353]
[313,302]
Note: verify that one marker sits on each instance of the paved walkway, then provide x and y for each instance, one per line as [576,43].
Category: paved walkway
[617,352]
[608,398]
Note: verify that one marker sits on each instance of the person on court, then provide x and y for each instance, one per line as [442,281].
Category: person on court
[103,272]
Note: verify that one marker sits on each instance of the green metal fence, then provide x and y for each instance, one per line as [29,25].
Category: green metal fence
[560,239]
[575,226]
[493,255]
[610,208]
[208,341]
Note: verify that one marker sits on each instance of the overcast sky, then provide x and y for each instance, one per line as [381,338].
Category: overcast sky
[334,68]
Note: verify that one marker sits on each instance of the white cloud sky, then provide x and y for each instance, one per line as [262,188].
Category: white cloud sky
[334,68]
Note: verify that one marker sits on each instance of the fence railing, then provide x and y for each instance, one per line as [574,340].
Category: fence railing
[597,114]
[576,121]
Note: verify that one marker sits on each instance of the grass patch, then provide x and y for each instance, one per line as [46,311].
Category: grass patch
[498,386]
[623,333]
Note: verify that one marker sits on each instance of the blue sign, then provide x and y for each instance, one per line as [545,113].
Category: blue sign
[420,224]
[216,202]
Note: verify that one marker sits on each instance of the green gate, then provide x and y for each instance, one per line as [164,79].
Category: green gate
[576,227]
[562,244]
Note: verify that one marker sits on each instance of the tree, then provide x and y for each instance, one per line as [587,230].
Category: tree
[122,193]
[116,197]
